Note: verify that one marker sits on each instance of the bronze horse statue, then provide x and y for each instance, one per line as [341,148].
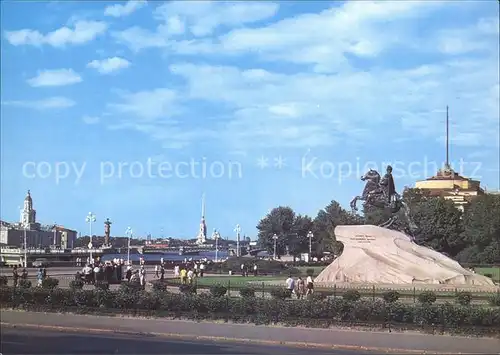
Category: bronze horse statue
[376,194]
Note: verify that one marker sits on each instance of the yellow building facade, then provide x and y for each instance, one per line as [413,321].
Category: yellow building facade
[451,185]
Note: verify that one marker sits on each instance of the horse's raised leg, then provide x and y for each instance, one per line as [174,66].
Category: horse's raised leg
[353,203]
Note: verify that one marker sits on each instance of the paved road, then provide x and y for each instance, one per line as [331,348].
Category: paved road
[334,338]
[27,341]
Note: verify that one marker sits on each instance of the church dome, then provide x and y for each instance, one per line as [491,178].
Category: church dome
[28,197]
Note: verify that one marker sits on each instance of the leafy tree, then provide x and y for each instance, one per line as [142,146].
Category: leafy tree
[325,222]
[440,225]
[291,230]
[482,229]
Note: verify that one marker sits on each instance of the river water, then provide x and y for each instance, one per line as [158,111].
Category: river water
[210,255]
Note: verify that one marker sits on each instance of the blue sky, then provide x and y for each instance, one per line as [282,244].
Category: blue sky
[115,107]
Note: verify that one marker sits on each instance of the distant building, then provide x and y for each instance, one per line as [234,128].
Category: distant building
[37,235]
[449,184]
[452,186]
[202,233]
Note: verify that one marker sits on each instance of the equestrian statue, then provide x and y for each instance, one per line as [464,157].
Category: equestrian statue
[381,193]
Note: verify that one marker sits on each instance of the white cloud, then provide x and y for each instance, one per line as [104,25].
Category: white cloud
[58,77]
[200,18]
[204,17]
[328,97]
[109,65]
[47,104]
[470,39]
[148,105]
[119,10]
[91,119]
[363,28]
[81,33]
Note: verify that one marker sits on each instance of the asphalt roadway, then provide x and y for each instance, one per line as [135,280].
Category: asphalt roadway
[27,341]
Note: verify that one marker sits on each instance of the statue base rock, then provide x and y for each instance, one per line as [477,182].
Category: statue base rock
[379,255]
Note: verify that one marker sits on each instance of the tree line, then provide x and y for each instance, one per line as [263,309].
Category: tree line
[470,237]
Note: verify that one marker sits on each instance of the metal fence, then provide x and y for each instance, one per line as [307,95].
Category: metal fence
[409,294]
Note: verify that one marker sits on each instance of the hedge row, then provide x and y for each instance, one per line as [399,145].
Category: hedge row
[312,313]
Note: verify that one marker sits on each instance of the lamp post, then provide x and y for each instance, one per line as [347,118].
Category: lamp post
[216,237]
[90,219]
[25,249]
[129,233]
[275,238]
[55,234]
[237,230]
[310,235]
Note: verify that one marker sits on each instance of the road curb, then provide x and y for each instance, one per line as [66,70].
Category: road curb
[225,339]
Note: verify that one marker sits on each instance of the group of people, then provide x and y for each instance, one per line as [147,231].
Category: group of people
[188,271]
[300,287]
[109,271]
[23,275]
[245,269]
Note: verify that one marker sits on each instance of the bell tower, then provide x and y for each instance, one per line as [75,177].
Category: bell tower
[28,214]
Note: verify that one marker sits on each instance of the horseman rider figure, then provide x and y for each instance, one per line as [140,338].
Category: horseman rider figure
[387,184]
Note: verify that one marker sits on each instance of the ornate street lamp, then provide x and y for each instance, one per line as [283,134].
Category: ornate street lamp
[90,219]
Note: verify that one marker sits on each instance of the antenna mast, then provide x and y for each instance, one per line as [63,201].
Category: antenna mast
[447,163]
[203,205]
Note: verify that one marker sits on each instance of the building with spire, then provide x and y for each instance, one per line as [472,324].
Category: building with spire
[37,235]
[28,214]
[448,183]
[202,233]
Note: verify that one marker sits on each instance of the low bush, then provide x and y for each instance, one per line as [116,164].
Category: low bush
[391,296]
[218,290]
[187,289]
[247,292]
[495,300]
[159,286]
[76,284]
[3,280]
[320,313]
[50,283]
[101,285]
[464,298]
[310,272]
[318,296]
[281,293]
[427,297]
[130,287]
[351,296]
[24,283]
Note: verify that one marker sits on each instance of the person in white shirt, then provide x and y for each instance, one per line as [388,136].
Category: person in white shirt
[290,284]
[190,276]
[310,285]
[202,269]
[157,274]
[142,276]
[97,271]
[87,273]
[176,270]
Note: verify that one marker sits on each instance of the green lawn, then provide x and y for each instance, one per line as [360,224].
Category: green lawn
[317,269]
[233,281]
[495,271]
